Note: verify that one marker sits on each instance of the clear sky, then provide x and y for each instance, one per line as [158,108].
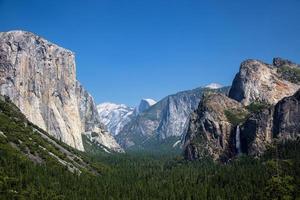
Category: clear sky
[132,49]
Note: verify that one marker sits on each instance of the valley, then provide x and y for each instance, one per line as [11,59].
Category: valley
[211,142]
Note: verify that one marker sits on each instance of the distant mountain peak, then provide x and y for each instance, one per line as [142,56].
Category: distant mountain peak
[151,102]
[114,116]
[214,86]
[144,105]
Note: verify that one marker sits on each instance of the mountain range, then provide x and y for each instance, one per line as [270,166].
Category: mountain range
[260,107]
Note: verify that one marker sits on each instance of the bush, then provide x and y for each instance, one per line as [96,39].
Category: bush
[236,117]
[256,107]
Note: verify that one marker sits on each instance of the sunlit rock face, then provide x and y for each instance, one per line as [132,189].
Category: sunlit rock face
[40,78]
[258,81]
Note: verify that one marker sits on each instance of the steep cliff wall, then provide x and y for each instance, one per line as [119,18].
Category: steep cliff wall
[40,78]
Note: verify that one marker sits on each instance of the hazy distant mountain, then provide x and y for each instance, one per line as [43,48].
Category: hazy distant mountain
[164,121]
[144,105]
[115,116]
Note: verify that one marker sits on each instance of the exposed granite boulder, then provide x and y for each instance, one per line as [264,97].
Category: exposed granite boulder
[258,81]
[211,132]
[40,78]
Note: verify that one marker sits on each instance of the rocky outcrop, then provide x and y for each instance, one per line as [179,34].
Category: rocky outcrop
[211,131]
[40,78]
[281,122]
[258,81]
[266,113]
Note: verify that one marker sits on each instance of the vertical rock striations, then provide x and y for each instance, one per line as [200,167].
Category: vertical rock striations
[40,78]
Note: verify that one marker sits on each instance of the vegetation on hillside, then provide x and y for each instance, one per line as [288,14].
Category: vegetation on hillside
[236,116]
[29,172]
[257,106]
[291,74]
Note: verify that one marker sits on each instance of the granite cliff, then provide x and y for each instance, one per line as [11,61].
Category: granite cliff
[40,78]
[262,107]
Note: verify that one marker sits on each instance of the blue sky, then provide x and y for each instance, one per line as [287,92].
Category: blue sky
[132,49]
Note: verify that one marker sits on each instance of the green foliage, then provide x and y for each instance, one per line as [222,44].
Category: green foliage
[236,116]
[280,188]
[291,74]
[153,145]
[138,175]
[144,176]
[256,107]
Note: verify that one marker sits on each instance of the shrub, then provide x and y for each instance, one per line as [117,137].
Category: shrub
[236,117]
[257,106]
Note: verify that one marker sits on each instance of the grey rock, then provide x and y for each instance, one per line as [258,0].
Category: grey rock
[167,118]
[40,78]
[279,122]
[210,133]
[258,81]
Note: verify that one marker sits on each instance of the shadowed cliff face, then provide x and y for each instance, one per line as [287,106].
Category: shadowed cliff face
[40,78]
[211,132]
[281,121]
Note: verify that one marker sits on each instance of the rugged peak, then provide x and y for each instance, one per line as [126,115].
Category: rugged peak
[258,81]
[279,62]
[25,40]
[144,105]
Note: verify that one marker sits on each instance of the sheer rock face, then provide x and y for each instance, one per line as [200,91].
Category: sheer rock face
[40,78]
[258,81]
[210,133]
[281,121]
